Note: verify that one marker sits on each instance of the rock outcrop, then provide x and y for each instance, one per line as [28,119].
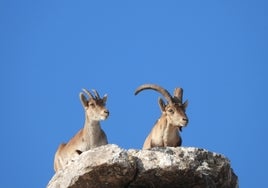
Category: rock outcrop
[110,166]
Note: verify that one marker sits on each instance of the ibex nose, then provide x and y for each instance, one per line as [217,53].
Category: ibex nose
[186,120]
[106,112]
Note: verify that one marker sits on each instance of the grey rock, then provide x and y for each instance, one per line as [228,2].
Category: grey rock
[111,166]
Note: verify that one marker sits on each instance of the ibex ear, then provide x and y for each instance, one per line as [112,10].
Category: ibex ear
[185,104]
[105,98]
[83,100]
[161,104]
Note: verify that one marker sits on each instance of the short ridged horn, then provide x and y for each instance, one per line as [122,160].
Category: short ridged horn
[96,94]
[158,88]
[88,93]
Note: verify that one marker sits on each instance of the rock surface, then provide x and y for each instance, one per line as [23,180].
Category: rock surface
[110,166]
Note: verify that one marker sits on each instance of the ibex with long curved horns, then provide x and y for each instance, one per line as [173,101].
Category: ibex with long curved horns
[90,136]
[166,130]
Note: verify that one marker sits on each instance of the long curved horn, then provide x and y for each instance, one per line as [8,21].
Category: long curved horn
[178,92]
[96,93]
[161,90]
[88,93]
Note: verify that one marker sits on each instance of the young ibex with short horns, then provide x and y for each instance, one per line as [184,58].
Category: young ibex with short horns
[90,136]
[166,130]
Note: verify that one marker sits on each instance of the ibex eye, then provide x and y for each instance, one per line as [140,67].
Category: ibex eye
[170,111]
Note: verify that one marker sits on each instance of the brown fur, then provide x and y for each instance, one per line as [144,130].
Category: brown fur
[90,136]
[166,130]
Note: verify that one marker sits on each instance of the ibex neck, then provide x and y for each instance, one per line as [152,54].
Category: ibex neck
[167,124]
[91,125]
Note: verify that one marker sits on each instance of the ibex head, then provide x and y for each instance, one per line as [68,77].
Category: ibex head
[94,105]
[174,109]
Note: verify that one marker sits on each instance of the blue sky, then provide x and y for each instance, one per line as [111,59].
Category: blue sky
[217,51]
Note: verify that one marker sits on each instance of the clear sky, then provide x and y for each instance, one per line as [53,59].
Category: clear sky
[217,51]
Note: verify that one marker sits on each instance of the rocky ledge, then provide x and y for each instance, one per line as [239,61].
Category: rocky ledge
[111,166]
